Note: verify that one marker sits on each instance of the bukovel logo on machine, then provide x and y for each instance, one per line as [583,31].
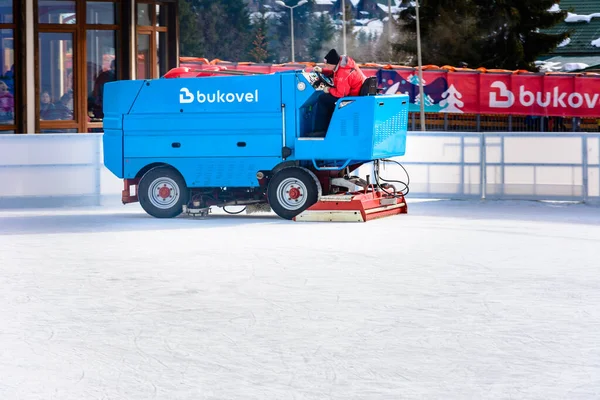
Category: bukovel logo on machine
[187,97]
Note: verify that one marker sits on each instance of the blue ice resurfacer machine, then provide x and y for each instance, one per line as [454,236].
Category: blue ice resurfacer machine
[187,142]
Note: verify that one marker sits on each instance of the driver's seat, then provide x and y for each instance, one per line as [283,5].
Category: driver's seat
[369,87]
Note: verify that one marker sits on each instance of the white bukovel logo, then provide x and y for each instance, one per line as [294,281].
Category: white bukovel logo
[554,98]
[186,97]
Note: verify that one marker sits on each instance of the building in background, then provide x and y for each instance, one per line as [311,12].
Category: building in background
[56,55]
[581,51]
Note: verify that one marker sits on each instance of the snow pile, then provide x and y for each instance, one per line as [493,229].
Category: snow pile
[578,18]
[596,43]
[570,67]
[552,66]
[564,42]
[548,66]
[324,2]
[555,8]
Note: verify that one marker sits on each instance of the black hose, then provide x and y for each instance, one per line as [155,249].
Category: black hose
[405,190]
[234,213]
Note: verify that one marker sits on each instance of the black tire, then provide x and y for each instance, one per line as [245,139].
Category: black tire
[307,191]
[156,180]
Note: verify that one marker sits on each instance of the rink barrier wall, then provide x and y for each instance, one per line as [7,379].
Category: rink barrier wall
[62,170]
[501,166]
[55,170]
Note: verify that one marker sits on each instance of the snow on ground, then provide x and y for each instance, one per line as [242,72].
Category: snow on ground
[455,300]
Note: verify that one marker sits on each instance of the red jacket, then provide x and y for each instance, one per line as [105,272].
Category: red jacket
[347,78]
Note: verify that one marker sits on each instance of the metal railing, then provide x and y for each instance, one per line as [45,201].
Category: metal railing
[67,169]
[502,123]
[502,165]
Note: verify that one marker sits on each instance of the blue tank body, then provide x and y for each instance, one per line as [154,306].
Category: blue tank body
[220,131]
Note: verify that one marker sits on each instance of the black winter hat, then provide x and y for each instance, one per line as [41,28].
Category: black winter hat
[332,57]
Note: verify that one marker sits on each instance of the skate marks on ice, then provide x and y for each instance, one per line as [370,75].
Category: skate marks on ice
[418,306]
[111,220]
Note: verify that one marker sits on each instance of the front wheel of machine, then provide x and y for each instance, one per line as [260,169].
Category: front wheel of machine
[293,190]
[162,192]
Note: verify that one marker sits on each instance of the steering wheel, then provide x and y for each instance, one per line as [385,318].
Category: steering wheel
[325,79]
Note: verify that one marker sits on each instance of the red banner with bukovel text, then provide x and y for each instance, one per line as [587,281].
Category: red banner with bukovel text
[475,92]
[497,93]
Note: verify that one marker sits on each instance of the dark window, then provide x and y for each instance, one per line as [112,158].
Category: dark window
[143,14]
[100,13]
[7,77]
[6,11]
[56,12]
[101,64]
[161,15]
[143,57]
[56,76]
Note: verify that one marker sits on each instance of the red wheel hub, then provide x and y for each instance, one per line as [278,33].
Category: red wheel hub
[164,192]
[294,193]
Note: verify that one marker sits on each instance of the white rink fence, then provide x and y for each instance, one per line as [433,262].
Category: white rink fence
[59,170]
[502,166]
[55,170]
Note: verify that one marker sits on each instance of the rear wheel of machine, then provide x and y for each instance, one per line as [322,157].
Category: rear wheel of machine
[162,192]
[291,191]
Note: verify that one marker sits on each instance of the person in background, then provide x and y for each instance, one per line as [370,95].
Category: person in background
[67,99]
[347,80]
[98,93]
[7,103]
[45,104]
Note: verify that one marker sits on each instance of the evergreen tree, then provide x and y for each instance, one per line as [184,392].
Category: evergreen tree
[514,40]
[487,33]
[323,35]
[259,51]
[450,32]
[189,43]
[222,29]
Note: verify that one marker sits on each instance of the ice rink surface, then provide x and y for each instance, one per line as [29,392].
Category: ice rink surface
[456,300]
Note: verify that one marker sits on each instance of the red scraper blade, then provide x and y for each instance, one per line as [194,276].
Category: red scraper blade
[354,207]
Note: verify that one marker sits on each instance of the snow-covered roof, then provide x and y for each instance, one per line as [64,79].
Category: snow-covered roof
[567,64]
[324,2]
[395,8]
[578,18]
[268,15]
[570,67]
[581,23]
[372,27]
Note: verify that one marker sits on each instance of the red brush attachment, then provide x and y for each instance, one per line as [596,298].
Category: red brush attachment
[354,207]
